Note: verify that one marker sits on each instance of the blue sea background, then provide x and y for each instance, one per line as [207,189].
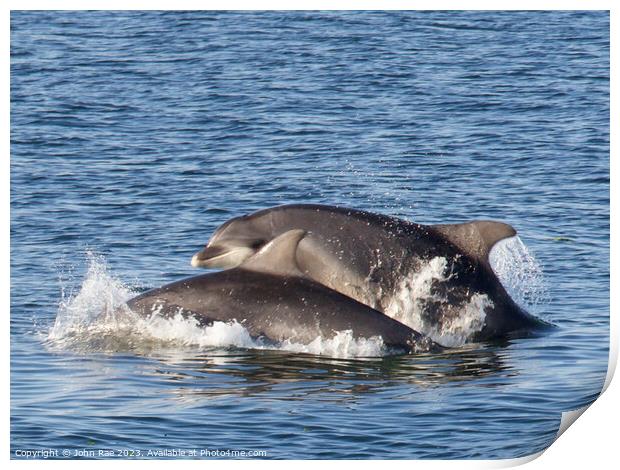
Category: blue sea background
[135,134]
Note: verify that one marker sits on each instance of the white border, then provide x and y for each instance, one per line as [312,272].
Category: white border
[309,5]
[591,443]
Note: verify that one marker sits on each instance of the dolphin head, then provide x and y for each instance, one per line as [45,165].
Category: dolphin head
[232,243]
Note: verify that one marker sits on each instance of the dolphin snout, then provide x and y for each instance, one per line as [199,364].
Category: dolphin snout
[219,256]
[196,260]
[207,257]
[200,258]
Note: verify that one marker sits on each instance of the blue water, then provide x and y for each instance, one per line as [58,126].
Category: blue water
[135,134]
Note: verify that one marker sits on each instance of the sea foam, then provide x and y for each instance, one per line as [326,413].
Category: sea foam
[93,319]
[416,290]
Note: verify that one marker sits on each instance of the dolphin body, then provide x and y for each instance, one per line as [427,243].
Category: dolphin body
[369,256]
[275,301]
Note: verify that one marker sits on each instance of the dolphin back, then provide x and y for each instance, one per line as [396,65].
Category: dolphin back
[476,238]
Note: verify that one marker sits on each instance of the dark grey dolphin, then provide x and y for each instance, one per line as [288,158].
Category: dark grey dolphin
[272,299]
[377,259]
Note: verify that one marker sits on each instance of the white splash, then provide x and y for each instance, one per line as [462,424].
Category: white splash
[460,328]
[520,273]
[186,331]
[94,320]
[343,344]
[415,290]
[100,293]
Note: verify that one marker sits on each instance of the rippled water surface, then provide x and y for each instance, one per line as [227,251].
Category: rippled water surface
[134,135]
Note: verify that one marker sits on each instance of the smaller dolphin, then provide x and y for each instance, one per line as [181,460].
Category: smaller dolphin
[272,299]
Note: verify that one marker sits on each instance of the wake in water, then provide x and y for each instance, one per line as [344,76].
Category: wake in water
[94,320]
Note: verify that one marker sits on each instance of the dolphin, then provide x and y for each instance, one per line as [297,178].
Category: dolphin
[269,295]
[377,260]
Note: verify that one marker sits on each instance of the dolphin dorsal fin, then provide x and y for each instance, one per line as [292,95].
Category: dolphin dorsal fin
[279,256]
[476,238]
